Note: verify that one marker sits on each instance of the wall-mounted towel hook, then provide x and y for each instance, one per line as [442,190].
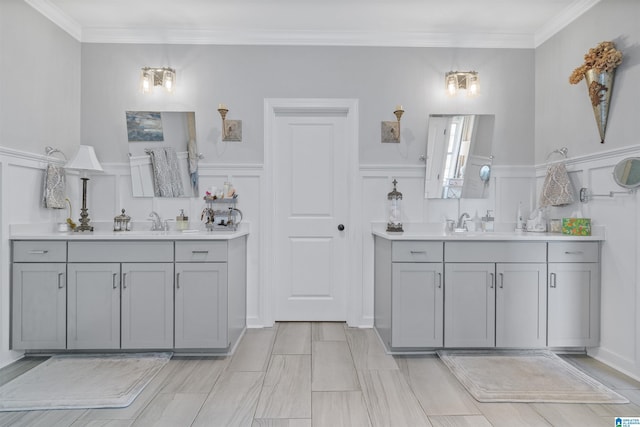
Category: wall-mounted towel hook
[562,151]
[50,151]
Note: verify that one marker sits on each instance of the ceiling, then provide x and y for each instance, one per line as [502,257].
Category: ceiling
[440,23]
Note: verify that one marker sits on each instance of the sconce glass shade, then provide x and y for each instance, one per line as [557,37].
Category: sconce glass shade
[85,160]
[451,84]
[462,80]
[150,77]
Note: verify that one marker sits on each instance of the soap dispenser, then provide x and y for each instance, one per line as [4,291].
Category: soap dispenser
[182,221]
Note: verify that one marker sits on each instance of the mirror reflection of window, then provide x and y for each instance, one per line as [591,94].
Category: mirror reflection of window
[457,147]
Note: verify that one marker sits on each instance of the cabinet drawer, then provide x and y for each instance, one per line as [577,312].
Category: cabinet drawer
[495,252]
[39,251]
[108,251]
[196,251]
[410,251]
[573,251]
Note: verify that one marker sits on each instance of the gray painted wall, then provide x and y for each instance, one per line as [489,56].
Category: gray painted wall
[39,82]
[243,76]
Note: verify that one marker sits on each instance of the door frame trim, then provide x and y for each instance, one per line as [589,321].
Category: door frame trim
[349,107]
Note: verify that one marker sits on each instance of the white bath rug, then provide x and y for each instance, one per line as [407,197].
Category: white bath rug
[524,376]
[82,381]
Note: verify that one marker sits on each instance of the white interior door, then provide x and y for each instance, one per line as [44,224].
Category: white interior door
[310,183]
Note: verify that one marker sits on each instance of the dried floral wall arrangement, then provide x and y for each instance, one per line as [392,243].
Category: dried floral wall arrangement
[598,71]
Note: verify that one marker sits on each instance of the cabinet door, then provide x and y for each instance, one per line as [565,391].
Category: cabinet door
[93,306]
[201,305]
[521,305]
[147,305]
[574,304]
[469,296]
[417,304]
[38,306]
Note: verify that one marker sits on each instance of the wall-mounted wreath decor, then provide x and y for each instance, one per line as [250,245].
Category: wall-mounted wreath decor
[598,71]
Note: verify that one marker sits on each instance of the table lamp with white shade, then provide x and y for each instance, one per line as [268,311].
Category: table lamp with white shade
[85,160]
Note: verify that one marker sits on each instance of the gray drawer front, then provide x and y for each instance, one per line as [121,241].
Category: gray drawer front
[573,251]
[495,252]
[416,251]
[197,251]
[39,251]
[107,251]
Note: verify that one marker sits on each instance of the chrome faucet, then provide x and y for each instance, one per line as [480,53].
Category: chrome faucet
[461,220]
[157,221]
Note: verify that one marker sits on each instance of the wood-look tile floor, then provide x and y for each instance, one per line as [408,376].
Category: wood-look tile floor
[322,374]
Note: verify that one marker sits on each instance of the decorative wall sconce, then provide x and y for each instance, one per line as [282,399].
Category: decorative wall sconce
[391,130]
[462,80]
[231,129]
[151,76]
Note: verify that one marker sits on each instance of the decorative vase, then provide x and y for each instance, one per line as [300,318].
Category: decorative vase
[600,86]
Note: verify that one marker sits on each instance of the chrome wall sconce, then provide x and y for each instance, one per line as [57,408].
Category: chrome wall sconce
[462,80]
[152,76]
[231,129]
[391,130]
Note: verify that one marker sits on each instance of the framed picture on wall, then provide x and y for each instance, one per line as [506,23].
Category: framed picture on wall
[144,126]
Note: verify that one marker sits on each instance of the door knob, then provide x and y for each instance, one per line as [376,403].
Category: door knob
[341,227]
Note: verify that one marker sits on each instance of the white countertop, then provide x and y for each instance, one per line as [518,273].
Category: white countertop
[104,232]
[436,232]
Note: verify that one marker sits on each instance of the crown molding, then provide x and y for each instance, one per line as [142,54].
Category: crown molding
[55,15]
[163,35]
[567,16]
[306,38]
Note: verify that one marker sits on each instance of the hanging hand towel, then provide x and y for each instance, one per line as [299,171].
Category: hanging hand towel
[557,189]
[166,172]
[54,187]
[192,152]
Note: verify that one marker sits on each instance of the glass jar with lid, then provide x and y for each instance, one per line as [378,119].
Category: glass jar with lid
[122,222]
[395,210]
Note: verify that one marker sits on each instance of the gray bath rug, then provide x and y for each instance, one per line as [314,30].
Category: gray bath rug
[524,376]
[82,382]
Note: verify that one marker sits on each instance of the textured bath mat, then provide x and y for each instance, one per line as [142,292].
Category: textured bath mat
[82,381]
[524,376]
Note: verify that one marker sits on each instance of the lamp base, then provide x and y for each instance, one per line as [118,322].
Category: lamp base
[84,213]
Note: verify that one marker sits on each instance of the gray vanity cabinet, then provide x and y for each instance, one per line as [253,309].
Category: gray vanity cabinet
[147,305]
[574,294]
[409,293]
[495,294]
[201,305]
[38,295]
[93,306]
[469,305]
[521,305]
[210,293]
[141,273]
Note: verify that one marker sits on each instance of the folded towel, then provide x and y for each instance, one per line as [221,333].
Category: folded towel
[557,189]
[54,187]
[166,172]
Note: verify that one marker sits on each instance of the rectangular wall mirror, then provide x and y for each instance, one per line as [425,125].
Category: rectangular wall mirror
[459,148]
[156,133]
